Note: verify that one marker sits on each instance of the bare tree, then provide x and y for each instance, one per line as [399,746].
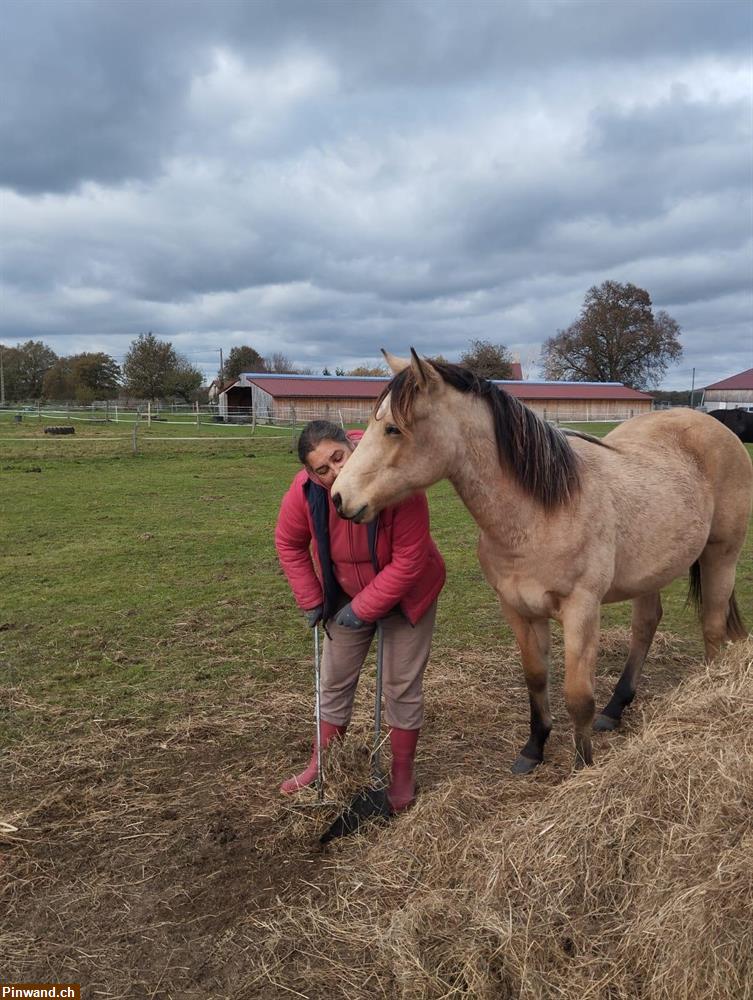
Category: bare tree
[366,369]
[279,364]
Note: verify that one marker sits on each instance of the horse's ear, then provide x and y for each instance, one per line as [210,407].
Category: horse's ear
[396,364]
[425,374]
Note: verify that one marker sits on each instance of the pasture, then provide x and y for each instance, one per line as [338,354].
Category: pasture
[156,687]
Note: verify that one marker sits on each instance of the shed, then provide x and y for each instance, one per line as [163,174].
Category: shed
[737,390]
[300,398]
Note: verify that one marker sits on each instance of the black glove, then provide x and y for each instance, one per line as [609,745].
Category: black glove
[314,616]
[348,618]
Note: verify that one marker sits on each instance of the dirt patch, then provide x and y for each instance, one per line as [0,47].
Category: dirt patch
[162,863]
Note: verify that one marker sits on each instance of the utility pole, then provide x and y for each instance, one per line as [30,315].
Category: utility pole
[2,378]
[222,371]
[692,390]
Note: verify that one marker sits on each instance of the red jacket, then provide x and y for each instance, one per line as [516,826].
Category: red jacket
[411,574]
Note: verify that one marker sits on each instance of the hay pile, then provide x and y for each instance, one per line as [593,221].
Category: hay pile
[632,880]
[158,861]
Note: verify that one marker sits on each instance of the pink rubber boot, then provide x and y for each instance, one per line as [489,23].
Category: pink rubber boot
[402,790]
[308,777]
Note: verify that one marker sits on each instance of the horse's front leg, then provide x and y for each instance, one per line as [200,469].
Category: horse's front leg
[534,640]
[580,616]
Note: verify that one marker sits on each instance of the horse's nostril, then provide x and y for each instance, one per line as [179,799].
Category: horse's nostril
[337,501]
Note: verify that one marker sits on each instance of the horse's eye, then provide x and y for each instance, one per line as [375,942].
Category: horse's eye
[391,429]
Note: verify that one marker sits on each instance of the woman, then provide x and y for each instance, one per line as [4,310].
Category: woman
[389,571]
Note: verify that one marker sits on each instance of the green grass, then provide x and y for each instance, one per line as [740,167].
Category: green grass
[131,582]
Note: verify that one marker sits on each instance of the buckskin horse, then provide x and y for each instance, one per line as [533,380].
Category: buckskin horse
[567,521]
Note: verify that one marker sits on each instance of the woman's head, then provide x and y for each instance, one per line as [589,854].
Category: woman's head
[324,448]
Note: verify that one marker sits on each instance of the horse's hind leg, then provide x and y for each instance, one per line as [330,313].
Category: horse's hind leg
[718,562]
[534,640]
[647,613]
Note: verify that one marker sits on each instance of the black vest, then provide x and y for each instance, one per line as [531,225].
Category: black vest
[318,501]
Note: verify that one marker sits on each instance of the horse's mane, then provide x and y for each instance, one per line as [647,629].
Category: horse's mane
[538,455]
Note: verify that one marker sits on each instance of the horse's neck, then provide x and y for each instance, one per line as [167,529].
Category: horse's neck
[496,502]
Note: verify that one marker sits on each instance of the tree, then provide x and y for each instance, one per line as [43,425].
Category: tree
[487,360]
[96,375]
[83,377]
[58,382]
[24,368]
[366,369]
[617,338]
[280,364]
[184,380]
[326,371]
[148,366]
[243,359]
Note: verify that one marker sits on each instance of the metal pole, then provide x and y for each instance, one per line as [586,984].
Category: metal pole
[318,709]
[378,700]
[135,443]
[692,390]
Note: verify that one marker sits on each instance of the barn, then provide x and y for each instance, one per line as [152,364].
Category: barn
[737,390]
[284,399]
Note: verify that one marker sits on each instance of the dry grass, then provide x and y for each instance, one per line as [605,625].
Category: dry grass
[161,864]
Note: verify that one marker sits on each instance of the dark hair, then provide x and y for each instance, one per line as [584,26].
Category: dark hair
[538,455]
[314,433]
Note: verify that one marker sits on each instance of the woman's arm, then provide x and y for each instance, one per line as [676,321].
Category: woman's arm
[293,543]
[410,558]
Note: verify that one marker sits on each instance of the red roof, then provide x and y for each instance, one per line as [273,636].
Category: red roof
[572,390]
[742,381]
[342,387]
[322,386]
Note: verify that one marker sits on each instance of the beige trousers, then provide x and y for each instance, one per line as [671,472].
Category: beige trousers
[406,653]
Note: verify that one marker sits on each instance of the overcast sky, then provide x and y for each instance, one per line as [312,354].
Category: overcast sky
[326,178]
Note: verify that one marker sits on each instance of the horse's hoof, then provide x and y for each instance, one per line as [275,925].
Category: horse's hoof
[605,724]
[582,760]
[524,765]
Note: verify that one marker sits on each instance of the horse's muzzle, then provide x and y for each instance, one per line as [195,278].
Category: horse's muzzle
[337,500]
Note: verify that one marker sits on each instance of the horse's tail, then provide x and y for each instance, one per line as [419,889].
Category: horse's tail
[694,590]
[735,626]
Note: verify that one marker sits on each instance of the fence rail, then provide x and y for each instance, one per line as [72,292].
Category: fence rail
[294,416]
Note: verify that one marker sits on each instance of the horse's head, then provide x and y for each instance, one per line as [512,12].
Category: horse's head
[405,448]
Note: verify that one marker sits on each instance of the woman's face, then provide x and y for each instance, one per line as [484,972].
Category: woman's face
[327,459]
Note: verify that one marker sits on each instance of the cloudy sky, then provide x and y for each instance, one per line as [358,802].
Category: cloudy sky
[326,177]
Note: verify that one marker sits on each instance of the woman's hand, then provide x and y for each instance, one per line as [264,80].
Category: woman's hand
[348,618]
[314,616]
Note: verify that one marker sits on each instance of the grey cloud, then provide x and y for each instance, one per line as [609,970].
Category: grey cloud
[404,188]
[108,82]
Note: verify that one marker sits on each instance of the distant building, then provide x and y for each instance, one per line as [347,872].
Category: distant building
[283,398]
[737,390]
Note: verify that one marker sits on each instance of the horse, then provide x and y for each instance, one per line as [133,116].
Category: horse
[567,522]
[739,421]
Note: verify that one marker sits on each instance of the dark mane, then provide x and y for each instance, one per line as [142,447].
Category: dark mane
[538,455]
